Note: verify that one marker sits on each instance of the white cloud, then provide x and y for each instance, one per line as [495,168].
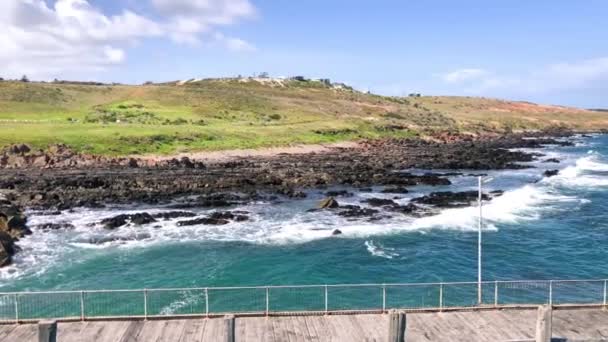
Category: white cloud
[462,75]
[553,77]
[72,35]
[234,44]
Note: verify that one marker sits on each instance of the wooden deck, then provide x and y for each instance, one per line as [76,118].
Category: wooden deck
[491,325]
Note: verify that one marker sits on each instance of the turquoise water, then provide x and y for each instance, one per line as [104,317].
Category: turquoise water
[541,228]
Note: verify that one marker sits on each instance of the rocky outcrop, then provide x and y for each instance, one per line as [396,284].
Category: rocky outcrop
[72,179]
[550,173]
[61,157]
[379,202]
[173,214]
[13,226]
[217,218]
[328,203]
[124,219]
[449,199]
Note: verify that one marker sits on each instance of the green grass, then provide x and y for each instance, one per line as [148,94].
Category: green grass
[217,115]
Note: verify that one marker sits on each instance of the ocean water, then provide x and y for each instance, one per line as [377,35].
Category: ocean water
[540,228]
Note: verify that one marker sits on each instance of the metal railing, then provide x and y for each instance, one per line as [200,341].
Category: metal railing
[267,300]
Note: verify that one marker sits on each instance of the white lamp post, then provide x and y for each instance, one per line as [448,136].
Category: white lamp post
[481,181]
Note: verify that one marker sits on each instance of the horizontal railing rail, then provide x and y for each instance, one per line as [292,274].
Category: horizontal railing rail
[285,299]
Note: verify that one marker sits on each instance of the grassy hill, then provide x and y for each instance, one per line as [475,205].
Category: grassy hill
[229,114]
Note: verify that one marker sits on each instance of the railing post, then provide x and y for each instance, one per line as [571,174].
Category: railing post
[605,283]
[267,300]
[550,292]
[495,293]
[383,298]
[82,306]
[145,304]
[326,301]
[16,308]
[441,297]
[207,302]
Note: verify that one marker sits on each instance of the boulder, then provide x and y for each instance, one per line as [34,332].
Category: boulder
[336,232]
[203,220]
[55,226]
[328,203]
[337,193]
[121,220]
[551,160]
[173,214]
[551,173]
[379,202]
[449,199]
[7,249]
[395,190]
[353,211]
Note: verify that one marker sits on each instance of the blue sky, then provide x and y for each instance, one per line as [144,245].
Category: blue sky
[541,51]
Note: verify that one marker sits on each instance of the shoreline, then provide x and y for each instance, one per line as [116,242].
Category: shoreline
[189,184]
[69,180]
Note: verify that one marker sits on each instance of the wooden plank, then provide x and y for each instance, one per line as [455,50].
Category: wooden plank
[213,330]
[131,333]
[150,331]
[309,335]
[6,330]
[172,331]
[24,332]
[193,330]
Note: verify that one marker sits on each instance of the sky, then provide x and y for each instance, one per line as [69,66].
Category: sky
[541,51]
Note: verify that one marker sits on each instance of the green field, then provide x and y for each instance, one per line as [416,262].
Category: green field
[233,114]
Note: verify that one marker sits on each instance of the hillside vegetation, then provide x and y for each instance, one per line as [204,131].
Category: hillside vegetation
[231,114]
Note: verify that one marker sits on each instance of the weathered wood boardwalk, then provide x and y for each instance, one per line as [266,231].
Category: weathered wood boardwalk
[487,325]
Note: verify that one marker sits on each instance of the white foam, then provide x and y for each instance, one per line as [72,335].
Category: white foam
[380,251]
[587,172]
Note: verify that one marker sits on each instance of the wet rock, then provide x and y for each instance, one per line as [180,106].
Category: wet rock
[411,209]
[217,218]
[173,214]
[338,193]
[449,199]
[336,232]
[123,219]
[379,202]
[203,220]
[7,249]
[396,190]
[55,226]
[328,203]
[366,189]
[550,173]
[353,211]
[107,239]
[551,160]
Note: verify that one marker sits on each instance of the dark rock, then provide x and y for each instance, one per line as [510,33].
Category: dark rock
[203,220]
[121,220]
[338,193]
[397,190]
[173,214]
[379,202]
[55,226]
[7,249]
[449,199]
[328,203]
[356,211]
[551,173]
[336,232]
[551,160]
[366,189]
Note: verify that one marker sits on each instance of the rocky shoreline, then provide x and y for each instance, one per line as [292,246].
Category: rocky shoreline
[59,179]
[72,180]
